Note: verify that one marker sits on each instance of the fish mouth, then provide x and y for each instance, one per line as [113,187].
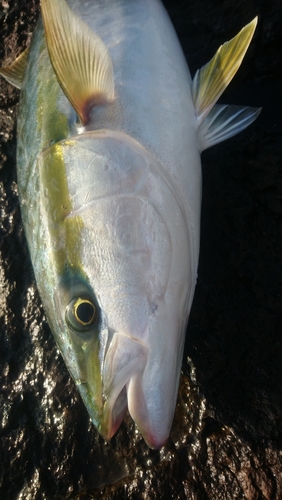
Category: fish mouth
[126,358]
[125,382]
[107,401]
[124,386]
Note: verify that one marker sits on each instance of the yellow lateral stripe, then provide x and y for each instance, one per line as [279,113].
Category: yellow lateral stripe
[65,231]
[212,79]
[79,57]
[14,73]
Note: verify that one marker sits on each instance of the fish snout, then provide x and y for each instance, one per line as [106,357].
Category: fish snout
[125,359]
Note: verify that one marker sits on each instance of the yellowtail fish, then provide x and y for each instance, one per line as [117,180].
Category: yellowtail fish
[110,131]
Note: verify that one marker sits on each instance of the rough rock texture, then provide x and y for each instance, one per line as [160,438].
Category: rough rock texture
[226,441]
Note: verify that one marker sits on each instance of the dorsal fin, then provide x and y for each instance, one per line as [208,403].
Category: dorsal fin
[79,57]
[212,79]
[14,73]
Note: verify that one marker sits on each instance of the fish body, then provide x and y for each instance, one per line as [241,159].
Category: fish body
[111,206]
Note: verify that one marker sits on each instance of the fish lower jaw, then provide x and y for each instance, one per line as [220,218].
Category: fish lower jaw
[154,442]
[108,418]
[111,420]
[153,434]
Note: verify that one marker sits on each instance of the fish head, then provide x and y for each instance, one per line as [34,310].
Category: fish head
[117,241]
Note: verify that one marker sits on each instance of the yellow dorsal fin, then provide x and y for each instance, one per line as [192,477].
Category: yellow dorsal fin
[212,79]
[14,73]
[79,57]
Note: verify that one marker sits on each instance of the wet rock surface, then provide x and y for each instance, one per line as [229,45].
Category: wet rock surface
[226,440]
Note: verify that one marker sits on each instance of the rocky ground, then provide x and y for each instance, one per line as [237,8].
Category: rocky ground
[226,441]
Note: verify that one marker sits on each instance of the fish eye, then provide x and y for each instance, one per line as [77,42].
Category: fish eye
[80,314]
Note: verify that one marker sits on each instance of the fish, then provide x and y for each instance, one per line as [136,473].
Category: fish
[110,132]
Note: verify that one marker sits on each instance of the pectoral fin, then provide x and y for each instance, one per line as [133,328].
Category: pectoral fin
[79,57]
[212,79]
[14,73]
